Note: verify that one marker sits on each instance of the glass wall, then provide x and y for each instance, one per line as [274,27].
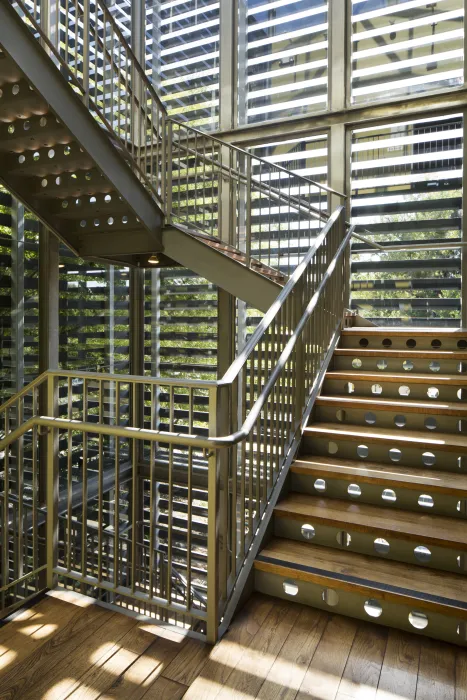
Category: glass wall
[407,188]
[283,58]
[405,47]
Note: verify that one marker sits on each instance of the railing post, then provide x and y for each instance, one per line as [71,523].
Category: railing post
[213,526]
[86,56]
[167,161]
[52,483]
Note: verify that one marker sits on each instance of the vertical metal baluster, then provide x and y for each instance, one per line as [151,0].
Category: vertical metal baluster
[85,485]
[134,514]
[170,499]
[100,495]
[190,502]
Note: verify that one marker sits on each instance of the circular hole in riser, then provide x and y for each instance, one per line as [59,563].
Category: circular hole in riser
[431,423]
[349,388]
[343,538]
[404,390]
[395,455]
[389,496]
[376,389]
[333,448]
[308,531]
[330,597]
[357,363]
[426,501]
[363,342]
[434,366]
[408,365]
[387,342]
[320,485]
[363,451]
[400,421]
[354,490]
[428,459]
[422,554]
[461,506]
[340,415]
[373,608]
[418,620]
[381,365]
[290,587]
[370,418]
[435,343]
[381,546]
[432,392]
[411,343]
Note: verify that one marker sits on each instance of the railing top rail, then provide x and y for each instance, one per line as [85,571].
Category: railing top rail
[25,390]
[191,440]
[307,180]
[133,378]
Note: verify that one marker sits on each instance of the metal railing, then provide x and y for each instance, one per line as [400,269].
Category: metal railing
[268,213]
[271,214]
[165,521]
[91,52]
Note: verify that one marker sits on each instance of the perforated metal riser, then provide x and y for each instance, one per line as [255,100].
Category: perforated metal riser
[421,500]
[414,456]
[410,389]
[399,419]
[371,607]
[388,547]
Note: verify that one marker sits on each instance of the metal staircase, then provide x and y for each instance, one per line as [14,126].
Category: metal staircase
[87,146]
[373,525]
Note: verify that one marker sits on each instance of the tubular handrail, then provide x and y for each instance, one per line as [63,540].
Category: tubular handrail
[25,390]
[235,368]
[216,442]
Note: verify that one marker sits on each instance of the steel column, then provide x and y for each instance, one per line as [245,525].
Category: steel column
[17,294]
[464,225]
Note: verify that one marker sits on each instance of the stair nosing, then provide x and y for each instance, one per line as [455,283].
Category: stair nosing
[443,442]
[395,377]
[378,404]
[452,604]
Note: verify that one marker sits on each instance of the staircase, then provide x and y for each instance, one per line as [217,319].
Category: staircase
[373,522]
[87,146]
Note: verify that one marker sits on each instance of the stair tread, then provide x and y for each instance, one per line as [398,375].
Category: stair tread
[407,377]
[398,331]
[418,527]
[374,472]
[439,441]
[373,573]
[445,408]
[388,353]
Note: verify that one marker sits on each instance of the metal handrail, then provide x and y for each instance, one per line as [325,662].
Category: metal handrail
[242,151]
[216,442]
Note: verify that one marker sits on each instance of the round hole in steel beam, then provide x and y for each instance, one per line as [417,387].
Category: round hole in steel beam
[436,343]
[411,343]
[357,363]
[381,364]
[431,423]
[340,415]
[387,342]
[370,418]
[332,448]
[376,389]
[320,485]
[428,459]
[432,392]
[462,344]
[400,421]
[435,366]
[389,495]
[363,342]
[425,501]
[404,390]
[363,451]
[408,365]
[395,455]
[354,490]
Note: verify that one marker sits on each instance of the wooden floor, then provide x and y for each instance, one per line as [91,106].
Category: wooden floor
[274,649]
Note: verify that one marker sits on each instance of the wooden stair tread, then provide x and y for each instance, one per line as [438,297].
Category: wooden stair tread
[387,475]
[416,438]
[398,331]
[417,527]
[376,404]
[406,378]
[389,352]
[344,569]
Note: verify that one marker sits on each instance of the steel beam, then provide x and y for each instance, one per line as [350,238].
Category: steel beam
[398,109]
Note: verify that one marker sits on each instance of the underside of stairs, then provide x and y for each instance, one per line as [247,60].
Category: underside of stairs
[373,521]
[69,170]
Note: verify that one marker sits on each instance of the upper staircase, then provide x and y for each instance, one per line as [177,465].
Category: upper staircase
[372,524]
[87,146]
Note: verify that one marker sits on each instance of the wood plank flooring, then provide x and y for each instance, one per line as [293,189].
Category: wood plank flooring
[67,647]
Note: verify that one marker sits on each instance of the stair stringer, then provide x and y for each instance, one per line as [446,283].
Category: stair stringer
[263,533]
[227,273]
[40,70]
